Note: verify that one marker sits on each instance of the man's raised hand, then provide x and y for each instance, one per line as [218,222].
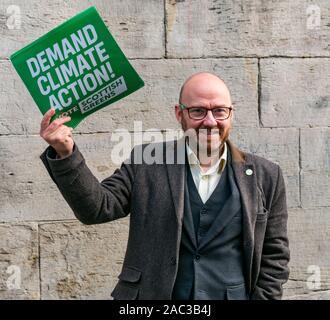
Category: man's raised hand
[57,134]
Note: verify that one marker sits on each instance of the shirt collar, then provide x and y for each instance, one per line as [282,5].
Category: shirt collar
[217,167]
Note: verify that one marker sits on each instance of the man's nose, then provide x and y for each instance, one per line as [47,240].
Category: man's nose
[209,119]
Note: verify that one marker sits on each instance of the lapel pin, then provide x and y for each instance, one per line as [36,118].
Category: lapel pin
[248,172]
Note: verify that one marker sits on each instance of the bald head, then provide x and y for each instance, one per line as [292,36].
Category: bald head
[209,132]
[203,82]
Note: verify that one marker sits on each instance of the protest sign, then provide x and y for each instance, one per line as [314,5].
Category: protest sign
[76,68]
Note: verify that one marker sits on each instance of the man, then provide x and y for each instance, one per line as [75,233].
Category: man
[213,226]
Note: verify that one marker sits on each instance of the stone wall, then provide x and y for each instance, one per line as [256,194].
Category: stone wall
[275,58]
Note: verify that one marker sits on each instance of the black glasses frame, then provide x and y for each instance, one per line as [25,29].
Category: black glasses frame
[184,107]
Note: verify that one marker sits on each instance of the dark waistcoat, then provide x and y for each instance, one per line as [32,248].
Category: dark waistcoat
[211,256]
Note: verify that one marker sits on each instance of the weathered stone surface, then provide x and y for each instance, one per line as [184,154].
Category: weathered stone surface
[81,262]
[26,191]
[153,105]
[309,236]
[315,149]
[295,92]
[315,187]
[255,28]
[319,295]
[278,145]
[19,113]
[315,163]
[19,268]
[137,26]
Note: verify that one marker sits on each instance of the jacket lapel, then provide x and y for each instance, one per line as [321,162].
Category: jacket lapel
[176,175]
[188,223]
[245,174]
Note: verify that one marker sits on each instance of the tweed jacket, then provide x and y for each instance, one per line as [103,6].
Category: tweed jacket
[153,195]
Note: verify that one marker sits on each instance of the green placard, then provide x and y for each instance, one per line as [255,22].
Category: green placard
[77,68]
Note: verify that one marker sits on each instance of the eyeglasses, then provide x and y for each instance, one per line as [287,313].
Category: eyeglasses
[199,113]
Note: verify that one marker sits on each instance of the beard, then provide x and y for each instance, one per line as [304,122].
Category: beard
[206,142]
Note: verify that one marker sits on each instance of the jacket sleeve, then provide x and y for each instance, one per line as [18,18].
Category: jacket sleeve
[274,271]
[92,201]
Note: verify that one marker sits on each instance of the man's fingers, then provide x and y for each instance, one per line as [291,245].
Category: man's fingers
[57,123]
[61,130]
[46,118]
[64,132]
[70,132]
[60,136]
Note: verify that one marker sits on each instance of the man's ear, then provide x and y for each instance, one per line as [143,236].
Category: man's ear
[178,113]
[232,116]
